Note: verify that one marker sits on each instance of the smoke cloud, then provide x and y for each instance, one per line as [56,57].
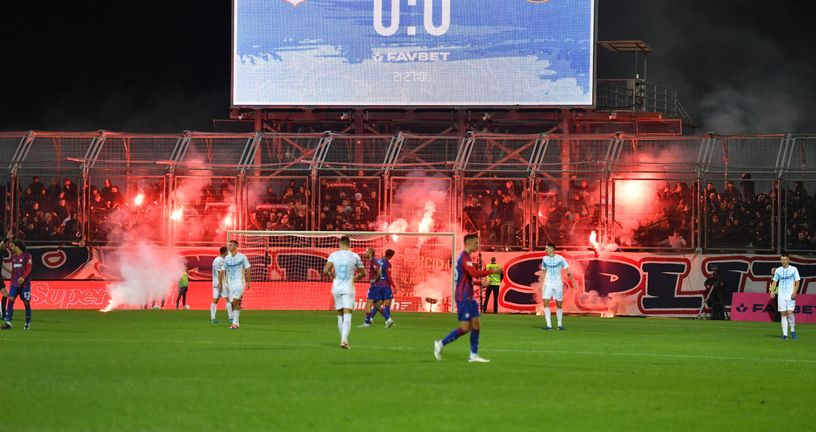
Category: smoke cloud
[147,272]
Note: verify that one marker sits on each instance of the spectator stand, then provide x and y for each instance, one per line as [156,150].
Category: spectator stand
[749,193]
[652,184]
[205,177]
[417,170]
[38,160]
[126,186]
[739,199]
[10,147]
[278,193]
[799,197]
[495,184]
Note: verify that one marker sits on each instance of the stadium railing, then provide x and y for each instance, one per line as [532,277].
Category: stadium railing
[561,188]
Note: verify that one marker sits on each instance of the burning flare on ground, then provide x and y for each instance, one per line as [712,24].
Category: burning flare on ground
[593,240]
[608,247]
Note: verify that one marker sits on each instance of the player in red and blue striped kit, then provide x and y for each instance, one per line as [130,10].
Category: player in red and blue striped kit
[382,288]
[386,286]
[3,289]
[21,264]
[373,291]
[467,307]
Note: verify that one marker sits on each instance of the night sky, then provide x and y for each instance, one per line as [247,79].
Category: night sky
[164,66]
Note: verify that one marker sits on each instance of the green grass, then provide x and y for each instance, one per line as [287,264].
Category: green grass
[169,371]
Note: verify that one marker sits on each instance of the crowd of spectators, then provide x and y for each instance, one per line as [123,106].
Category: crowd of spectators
[284,206]
[495,209]
[670,225]
[49,213]
[569,221]
[735,217]
[800,230]
[738,217]
[349,204]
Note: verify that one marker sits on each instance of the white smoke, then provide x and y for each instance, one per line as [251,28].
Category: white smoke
[145,271]
[435,287]
[398,226]
[147,274]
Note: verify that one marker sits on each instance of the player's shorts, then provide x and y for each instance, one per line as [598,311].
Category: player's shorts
[218,293]
[373,293]
[386,293]
[786,304]
[553,291]
[343,300]
[467,310]
[235,293]
[24,292]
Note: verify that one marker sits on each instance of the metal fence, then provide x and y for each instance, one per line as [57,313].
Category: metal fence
[640,192]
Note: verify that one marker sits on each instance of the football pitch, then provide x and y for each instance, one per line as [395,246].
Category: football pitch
[284,371]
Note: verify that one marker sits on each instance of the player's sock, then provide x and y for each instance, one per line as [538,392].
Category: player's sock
[235,317]
[28,313]
[452,336]
[474,342]
[3,307]
[784,326]
[386,312]
[373,313]
[559,314]
[547,315]
[346,326]
[212,310]
[791,323]
[9,311]
[340,325]
[229,310]
[368,317]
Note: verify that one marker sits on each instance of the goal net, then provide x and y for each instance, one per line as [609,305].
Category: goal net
[287,268]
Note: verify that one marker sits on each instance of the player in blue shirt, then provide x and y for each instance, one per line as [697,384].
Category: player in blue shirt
[467,307]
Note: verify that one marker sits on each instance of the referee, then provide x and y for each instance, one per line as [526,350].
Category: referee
[493,282]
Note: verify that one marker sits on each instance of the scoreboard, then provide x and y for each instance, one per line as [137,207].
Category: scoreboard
[413,53]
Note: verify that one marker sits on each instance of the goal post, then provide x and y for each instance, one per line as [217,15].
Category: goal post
[287,268]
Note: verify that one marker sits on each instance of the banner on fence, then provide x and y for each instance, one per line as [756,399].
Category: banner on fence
[633,284]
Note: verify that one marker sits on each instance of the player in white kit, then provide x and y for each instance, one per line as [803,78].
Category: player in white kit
[552,284]
[219,282]
[236,265]
[344,266]
[786,281]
